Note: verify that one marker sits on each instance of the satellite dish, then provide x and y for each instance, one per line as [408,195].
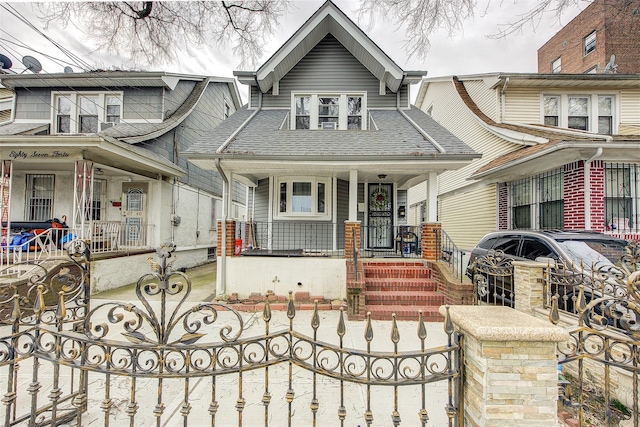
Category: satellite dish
[68,69]
[5,62]
[611,67]
[32,64]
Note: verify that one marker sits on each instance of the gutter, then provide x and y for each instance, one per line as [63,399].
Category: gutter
[587,188]
[223,243]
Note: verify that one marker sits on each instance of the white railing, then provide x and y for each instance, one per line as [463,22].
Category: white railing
[103,236]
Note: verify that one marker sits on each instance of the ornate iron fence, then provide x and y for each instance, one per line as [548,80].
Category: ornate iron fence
[134,362]
[492,277]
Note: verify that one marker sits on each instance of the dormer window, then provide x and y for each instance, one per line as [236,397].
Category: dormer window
[86,112]
[593,113]
[329,111]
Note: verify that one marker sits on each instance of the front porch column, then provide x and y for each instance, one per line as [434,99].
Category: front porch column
[82,197]
[431,242]
[355,270]
[432,198]
[230,229]
[5,203]
[351,239]
[510,366]
[353,195]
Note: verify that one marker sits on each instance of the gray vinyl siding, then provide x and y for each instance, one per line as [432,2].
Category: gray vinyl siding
[142,104]
[255,97]
[329,67]
[176,97]
[261,211]
[342,211]
[33,104]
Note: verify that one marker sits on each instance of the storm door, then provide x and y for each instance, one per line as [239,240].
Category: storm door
[380,224]
[134,214]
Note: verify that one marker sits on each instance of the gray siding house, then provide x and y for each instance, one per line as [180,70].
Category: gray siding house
[328,138]
[100,153]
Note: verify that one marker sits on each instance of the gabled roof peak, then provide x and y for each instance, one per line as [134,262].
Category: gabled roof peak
[329,19]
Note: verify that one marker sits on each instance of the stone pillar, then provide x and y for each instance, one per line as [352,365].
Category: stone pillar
[231,237]
[528,285]
[431,241]
[355,271]
[510,366]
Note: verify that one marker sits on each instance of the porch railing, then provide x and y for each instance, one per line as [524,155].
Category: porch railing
[450,254]
[400,241]
[30,247]
[112,236]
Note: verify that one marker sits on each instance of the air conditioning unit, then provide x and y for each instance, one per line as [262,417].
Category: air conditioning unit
[329,126]
[106,125]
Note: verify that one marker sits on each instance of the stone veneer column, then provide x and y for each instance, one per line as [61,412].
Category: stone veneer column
[431,241]
[528,281]
[510,366]
[231,236]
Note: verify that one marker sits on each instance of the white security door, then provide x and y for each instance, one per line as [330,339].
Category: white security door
[134,216]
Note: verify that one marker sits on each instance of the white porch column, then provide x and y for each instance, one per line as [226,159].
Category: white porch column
[5,205]
[432,198]
[353,195]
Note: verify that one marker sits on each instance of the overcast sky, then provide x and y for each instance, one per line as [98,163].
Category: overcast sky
[469,52]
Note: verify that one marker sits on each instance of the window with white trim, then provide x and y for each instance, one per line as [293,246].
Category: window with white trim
[86,112]
[556,65]
[303,197]
[593,113]
[99,197]
[328,111]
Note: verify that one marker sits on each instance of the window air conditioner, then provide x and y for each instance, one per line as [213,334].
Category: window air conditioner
[329,125]
[106,125]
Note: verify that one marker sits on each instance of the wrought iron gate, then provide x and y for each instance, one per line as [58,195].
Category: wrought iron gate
[142,361]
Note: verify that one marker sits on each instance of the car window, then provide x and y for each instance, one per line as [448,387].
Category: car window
[487,244]
[534,248]
[508,245]
[593,251]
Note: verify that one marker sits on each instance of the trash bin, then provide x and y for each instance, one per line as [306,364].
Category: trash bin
[238,246]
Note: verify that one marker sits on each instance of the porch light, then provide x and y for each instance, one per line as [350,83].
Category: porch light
[382,176]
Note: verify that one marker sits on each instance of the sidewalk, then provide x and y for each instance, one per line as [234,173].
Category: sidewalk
[253,382]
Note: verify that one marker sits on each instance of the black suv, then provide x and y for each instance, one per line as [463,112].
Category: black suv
[571,248]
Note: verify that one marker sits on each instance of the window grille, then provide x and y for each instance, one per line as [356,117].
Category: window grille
[621,202]
[538,202]
[39,206]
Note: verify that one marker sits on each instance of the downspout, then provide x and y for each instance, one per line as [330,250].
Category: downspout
[223,243]
[587,188]
[502,99]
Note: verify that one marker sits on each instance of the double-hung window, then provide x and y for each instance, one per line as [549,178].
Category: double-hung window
[556,65]
[86,112]
[622,196]
[303,197]
[593,113]
[39,200]
[589,43]
[538,201]
[328,111]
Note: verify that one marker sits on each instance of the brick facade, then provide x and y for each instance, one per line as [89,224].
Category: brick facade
[574,196]
[231,236]
[596,199]
[431,249]
[503,206]
[617,30]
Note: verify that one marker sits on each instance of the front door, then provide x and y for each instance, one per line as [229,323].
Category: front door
[380,224]
[134,214]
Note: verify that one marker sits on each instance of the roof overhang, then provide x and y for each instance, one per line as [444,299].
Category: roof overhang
[403,170]
[559,154]
[566,81]
[329,19]
[55,150]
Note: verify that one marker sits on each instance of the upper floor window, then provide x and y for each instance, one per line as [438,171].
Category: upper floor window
[594,113]
[556,65]
[86,112]
[589,43]
[328,112]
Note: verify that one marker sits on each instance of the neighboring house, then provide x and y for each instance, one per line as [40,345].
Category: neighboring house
[559,151]
[100,152]
[603,38]
[328,140]
[6,102]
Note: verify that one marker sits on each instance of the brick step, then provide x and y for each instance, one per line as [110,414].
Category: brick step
[425,298]
[394,285]
[393,271]
[404,312]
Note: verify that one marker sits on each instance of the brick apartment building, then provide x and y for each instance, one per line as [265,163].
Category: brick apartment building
[586,44]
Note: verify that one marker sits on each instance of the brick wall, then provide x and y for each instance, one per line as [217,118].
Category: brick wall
[503,206]
[596,199]
[617,32]
[574,196]
[431,247]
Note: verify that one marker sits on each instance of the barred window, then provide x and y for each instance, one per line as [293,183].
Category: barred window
[551,189]
[39,200]
[538,202]
[621,196]
[521,202]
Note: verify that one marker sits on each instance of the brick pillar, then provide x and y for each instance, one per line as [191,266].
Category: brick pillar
[351,229]
[503,206]
[596,198]
[574,196]
[510,365]
[431,241]
[231,237]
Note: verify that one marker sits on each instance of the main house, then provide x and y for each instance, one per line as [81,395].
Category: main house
[329,143]
[98,154]
[559,151]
